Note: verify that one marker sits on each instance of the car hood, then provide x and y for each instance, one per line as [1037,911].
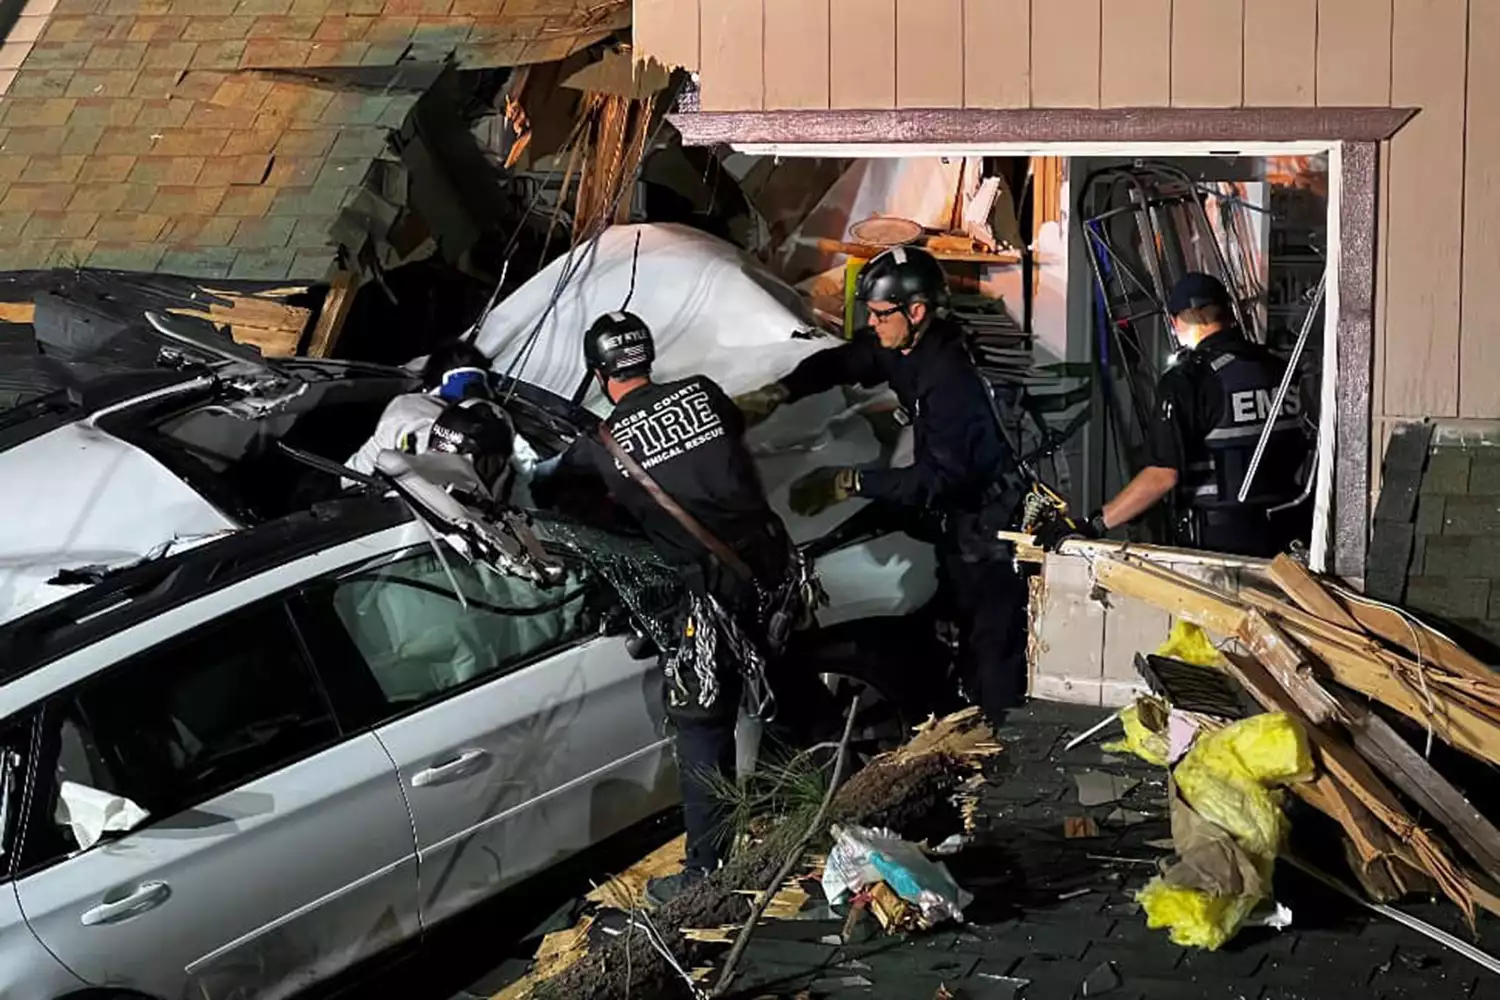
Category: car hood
[90,500]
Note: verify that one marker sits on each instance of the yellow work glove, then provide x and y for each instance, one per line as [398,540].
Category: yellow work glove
[821,488]
[758,404]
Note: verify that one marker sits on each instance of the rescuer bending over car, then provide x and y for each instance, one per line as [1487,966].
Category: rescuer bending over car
[963,469]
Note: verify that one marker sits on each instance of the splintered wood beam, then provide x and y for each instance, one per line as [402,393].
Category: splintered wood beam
[1175,594]
[17,312]
[1409,771]
[1288,665]
[1417,639]
[336,306]
[1309,595]
[1355,773]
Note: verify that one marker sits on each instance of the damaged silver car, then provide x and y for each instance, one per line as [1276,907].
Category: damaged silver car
[257,728]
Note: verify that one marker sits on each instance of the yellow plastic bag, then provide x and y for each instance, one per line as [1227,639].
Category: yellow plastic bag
[1145,723]
[1190,644]
[1229,780]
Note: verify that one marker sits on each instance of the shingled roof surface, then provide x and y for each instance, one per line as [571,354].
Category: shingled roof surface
[214,138]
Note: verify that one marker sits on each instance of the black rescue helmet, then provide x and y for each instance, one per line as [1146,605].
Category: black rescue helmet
[480,429]
[1197,290]
[473,427]
[904,275]
[619,345]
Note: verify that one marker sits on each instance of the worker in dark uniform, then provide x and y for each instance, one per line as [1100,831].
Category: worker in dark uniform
[963,469]
[1212,404]
[688,438]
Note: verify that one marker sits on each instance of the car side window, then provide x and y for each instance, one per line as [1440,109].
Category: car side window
[419,639]
[175,726]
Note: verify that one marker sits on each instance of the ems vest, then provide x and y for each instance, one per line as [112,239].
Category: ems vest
[1246,378]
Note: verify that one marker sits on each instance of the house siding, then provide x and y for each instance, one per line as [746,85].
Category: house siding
[1437,338]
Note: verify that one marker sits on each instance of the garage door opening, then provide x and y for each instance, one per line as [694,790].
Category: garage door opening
[1060,259]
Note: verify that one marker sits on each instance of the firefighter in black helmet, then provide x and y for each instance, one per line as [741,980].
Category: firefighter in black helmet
[687,436]
[963,468]
[1212,404]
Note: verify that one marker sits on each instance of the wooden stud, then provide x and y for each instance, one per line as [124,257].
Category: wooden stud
[1208,53]
[17,312]
[336,305]
[1304,588]
[1287,664]
[862,54]
[1136,63]
[1281,53]
[997,53]
[1065,46]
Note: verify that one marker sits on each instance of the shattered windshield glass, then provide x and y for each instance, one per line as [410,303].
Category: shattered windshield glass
[648,586]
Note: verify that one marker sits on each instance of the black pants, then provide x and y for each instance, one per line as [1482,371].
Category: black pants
[705,748]
[1252,533]
[990,599]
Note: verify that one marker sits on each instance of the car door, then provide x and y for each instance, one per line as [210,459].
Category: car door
[521,733]
[257,848]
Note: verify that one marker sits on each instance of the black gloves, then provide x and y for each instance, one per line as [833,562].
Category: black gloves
[1060,528]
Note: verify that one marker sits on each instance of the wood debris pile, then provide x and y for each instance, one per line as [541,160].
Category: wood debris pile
[922,789]
[1331,659]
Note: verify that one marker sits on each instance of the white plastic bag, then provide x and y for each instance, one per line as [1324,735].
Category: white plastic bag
[862,857]
[92,813]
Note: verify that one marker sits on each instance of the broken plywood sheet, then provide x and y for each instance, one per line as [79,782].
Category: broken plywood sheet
[1068,652]
[627,890]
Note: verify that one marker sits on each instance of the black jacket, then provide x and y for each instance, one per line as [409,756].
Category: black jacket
[1211,408]
[961,456]
[689,437]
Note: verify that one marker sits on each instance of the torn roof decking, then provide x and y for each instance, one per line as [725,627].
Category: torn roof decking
[224,138]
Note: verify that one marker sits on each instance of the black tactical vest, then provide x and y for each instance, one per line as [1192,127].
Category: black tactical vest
[1245,376]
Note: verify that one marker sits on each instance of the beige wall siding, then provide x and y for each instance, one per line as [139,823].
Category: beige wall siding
[1424,240]
[1208,45]
[1438,268]
[929,53]
[1281,53]
[1136,64]
[997,53]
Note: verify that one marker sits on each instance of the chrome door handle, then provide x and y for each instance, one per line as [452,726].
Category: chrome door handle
[147,896]
[465,764]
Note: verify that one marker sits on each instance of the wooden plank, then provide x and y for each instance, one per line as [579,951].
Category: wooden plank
[1418,640]
[666,30]
[1410,772]
[1287,664]
[796,58]
[1354,773]
[997,53]
[1136,64]
[1208,39]
[17,312]
[1354,53]
[1065,46]
[1309,595]
[1425,236]
[862,54]
[336,305]
[1479,337]
[733,49]
[1281,53]
[930,53]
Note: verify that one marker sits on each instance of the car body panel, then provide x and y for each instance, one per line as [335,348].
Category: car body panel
[97,500]
[573,752]
[27,970]
[281,882]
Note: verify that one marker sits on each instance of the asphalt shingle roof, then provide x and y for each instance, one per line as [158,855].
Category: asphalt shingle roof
[193,137]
